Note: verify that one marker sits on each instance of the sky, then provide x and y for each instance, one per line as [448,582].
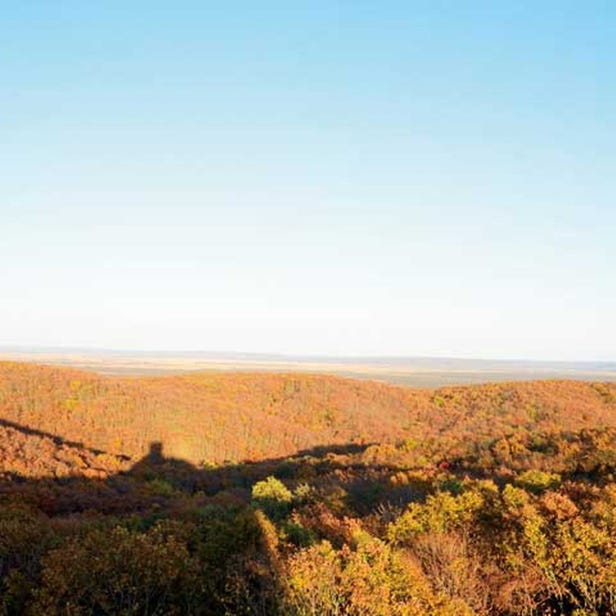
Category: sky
[334,178]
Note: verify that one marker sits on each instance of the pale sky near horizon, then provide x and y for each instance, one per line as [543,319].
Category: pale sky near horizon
[345,178]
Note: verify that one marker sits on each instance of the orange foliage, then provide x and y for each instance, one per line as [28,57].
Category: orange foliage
[214,418]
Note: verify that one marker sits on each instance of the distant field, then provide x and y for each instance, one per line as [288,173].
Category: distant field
[412,372]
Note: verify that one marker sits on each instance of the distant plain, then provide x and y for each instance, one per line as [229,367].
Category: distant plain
[408,371]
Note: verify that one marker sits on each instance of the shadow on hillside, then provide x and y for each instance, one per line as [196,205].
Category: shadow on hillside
[57,440]
[230,538]
[233,539]
[155,479]
[239,477]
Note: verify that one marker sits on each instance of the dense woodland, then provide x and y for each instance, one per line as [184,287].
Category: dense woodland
[304,495]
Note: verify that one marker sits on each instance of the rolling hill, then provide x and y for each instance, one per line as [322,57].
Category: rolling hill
[211,418]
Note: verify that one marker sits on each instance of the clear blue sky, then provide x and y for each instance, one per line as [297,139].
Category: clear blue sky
[383,178]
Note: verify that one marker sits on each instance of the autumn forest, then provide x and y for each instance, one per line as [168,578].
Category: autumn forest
[299,494]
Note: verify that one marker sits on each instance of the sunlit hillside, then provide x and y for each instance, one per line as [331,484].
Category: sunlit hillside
[206,417]
[211,418]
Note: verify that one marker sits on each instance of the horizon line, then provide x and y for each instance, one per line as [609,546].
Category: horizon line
[297,357]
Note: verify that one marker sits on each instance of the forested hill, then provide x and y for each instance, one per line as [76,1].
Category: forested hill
[213,417]
[119,496]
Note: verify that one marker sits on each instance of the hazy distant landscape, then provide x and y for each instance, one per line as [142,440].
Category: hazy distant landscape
[411,371]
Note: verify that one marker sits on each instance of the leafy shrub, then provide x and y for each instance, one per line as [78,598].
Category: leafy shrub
[373,580]
[537,482]
[298,534]
[119,573]
[272,496]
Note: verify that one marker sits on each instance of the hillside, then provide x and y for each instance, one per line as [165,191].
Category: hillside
[214,418]
[30,453]
[354,498]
